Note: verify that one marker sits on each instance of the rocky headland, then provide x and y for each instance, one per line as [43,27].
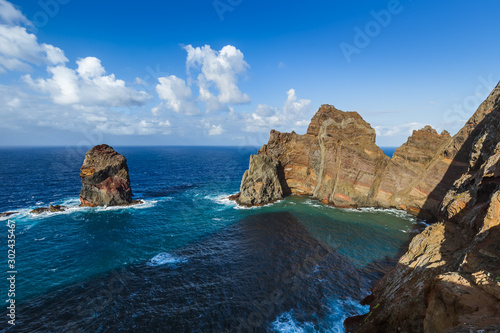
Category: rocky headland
[449,278]
[105,179]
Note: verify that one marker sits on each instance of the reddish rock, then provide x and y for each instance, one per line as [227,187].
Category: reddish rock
[105,179]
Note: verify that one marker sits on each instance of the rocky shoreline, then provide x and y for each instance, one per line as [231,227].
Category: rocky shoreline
[449,278]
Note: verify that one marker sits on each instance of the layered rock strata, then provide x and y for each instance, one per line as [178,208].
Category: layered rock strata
[449,279]
[338,162]
[105,179]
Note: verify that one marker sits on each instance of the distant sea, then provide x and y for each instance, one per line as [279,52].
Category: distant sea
[187,259]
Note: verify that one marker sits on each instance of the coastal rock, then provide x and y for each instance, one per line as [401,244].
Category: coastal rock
[6,214]
[50,209]
[105,179]
[449,279]
[338,162]
[261,182]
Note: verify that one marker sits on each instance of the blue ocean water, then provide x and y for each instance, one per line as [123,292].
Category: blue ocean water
[188,259]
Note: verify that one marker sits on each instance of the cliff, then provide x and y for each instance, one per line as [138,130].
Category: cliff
[338,162]
[105,179]
[449,279]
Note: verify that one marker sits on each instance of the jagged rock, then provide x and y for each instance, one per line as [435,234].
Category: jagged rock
[449,279]
[105,179]
[338,162]
[261,182]
[50,209]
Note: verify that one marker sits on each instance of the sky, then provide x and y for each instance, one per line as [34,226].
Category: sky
[226,72]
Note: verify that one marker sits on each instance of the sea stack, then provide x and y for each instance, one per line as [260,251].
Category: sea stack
[105,179]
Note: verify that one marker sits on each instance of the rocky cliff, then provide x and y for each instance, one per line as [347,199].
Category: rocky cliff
[338,162]
[449,279]
[105,179]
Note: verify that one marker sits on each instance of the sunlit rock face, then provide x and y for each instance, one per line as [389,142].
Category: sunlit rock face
[105,179]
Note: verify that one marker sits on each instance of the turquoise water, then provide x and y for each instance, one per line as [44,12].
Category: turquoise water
[185,225]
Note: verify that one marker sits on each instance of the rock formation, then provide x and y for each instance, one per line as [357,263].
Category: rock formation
[338,162]
[50,209]
[105,179]
[449,279]
[261,183]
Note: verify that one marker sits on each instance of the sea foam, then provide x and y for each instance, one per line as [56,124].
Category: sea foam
[165,258]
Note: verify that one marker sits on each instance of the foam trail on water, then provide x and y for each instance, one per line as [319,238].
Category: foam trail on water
[165,258]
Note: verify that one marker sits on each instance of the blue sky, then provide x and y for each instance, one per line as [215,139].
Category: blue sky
[226,72]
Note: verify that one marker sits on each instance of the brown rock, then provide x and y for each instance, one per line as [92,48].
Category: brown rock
[105,179]
[449,279]
[50,209]
[6,214]
[261,182]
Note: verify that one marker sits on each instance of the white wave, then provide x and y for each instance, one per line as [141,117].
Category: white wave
[165,258]
[339,310]
[287,324]
[370,210]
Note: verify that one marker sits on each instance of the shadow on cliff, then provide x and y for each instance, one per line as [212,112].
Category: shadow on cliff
[402,298]
[458,166]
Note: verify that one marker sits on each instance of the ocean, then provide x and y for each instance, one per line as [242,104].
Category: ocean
[187,259]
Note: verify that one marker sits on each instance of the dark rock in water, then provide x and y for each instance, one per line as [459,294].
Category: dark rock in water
[7,214]
[105,179]
[50,209]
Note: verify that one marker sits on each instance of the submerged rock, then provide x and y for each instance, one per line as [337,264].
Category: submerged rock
[6,214]
[105,179]
[50,209]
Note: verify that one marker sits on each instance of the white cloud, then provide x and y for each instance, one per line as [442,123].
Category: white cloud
[217,77]
[177,95]
[87,85]
[20,48]
[27,110]
[293,115]
[212,129]
[10,15]
[396,130]
[215,130]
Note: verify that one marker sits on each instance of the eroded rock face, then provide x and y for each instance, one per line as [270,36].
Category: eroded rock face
[105,179]
[338,162]
[449,279]
[261,182]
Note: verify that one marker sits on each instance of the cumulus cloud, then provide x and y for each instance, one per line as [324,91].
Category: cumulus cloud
[211,128]
[19,49]
[294,114]
[87,85]
[25,110]
[217,77]
[177,95]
